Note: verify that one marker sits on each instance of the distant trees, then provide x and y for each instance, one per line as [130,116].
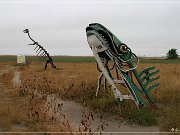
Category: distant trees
[172,54]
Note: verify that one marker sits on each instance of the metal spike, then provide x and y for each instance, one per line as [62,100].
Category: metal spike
[36,47]
[151,80]
[152,87]
[39,52]
[42,55]
[149,74]
[145,70]
[30,44]
[42,59]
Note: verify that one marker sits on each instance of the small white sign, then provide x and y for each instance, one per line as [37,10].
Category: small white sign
[21,59]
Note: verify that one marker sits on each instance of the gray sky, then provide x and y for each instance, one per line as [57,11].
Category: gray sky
[148,27]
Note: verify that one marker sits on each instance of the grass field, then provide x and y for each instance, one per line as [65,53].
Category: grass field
[77,81]
[12,58]
[74,59]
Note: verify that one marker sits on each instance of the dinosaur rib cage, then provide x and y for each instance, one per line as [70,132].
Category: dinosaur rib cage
[41,52]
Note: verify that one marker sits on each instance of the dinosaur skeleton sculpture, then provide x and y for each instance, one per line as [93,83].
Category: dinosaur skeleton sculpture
[107,47]
[41,52]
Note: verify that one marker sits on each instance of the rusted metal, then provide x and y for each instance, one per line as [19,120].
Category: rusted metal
[41,52]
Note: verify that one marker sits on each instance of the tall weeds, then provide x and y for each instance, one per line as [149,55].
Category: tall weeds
[78,82]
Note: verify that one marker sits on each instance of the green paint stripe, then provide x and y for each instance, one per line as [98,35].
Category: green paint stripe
[151,80]
[145,70]
[152,87]
[134,89]
[148,75]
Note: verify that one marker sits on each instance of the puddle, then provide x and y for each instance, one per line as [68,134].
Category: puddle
[74,114]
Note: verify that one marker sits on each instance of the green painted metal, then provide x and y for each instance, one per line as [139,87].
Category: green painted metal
[152,87]
[148,74]
[139,90]
[145,70]
[151,80]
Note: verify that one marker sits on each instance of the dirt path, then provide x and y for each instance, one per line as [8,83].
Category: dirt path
[74,114]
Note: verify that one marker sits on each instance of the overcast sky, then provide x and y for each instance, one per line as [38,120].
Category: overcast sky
[149,27]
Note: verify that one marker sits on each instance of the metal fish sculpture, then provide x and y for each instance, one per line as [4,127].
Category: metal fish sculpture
[106,48]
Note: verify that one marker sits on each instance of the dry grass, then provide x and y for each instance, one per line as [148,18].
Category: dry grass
[78,82]
[10,106]
[24,113]
[25,108]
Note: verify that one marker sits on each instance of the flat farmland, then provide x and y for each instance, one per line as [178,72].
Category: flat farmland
[79,59]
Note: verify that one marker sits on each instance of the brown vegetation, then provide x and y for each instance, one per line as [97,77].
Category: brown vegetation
[78,82]
[27,108]
[24,113]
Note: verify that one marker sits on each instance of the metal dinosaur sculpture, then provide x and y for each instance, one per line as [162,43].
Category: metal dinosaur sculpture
[41,52]
[107,48]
